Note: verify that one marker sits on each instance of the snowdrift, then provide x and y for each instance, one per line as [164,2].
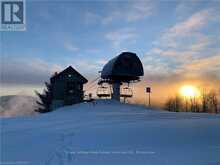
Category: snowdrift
[111,133]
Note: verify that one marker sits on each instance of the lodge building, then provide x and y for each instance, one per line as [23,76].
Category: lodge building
[67,87]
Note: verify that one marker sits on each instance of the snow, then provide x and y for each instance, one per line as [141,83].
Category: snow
[17,105]
[109,132]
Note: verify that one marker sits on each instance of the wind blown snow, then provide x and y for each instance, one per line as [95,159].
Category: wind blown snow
[111,133]
[17,105]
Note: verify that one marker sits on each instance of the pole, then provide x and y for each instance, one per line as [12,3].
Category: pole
[148,90]
[116,91]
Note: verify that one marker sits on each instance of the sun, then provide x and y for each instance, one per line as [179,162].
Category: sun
[189,91]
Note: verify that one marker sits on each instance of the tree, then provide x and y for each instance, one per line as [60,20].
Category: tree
[45,99]
[208,102]
[169,105]
[213,101]
[204,99]
[178,104]
[174,104]
[194,106]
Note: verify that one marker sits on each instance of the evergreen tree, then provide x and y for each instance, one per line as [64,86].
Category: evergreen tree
[169,105]
[45,99]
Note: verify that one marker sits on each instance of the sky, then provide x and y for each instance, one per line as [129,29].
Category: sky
[177,41]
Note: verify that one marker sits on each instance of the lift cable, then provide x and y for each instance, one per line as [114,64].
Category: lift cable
[92,83]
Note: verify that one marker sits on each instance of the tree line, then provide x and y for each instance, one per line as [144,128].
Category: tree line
[207,102]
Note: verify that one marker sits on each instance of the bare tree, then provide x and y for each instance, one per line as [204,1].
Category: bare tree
[169,105]
[174,104]
[208,102]
[204,99]
[213,101]
[178,104]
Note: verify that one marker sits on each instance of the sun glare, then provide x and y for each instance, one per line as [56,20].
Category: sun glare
[189,91]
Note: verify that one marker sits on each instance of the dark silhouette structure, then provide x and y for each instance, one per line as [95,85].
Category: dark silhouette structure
[67,87]
[123,69]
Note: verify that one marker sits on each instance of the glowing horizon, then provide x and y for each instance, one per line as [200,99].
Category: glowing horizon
[189,91]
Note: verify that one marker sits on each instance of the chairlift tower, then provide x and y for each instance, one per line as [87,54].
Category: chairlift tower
[125,68]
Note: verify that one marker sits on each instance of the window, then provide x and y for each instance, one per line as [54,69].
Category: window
[70,91]
[70,88]
[69,75]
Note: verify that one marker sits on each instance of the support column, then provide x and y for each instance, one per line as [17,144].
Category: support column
[116,91]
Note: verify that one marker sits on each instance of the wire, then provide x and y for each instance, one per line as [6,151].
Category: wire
[92,83]
[91,87]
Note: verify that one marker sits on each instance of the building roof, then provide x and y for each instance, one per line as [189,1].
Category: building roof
[124,67]
[69,70]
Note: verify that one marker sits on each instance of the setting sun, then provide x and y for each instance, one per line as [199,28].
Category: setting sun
[189,91]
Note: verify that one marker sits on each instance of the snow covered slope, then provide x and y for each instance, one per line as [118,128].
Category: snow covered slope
[111,133]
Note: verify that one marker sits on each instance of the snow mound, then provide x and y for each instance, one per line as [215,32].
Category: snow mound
[111,133]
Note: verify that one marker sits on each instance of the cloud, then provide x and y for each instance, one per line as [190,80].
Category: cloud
[186,30]
[180,67]
[163,52]
[201,43]
[23,76]
[185,49]
[87,66]
[205,65]
[20,89]
[26,71]
[122,36]
[71,47]
[185,8]
[187,35]
[102,61]
[130,12]
[193,23]
[156,66]
[91,18]
[34,71]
